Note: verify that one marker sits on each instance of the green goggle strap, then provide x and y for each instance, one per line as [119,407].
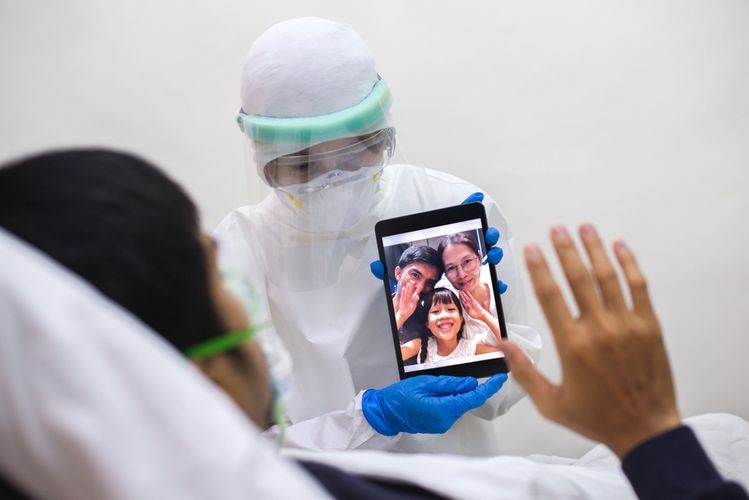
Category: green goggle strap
[323,127]
[220,344]
[279,418]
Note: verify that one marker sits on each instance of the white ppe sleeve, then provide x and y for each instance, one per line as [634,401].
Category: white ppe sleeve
[338,430]
[510,393]
[514,306]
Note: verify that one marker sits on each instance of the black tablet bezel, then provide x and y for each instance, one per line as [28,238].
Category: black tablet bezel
[426,220]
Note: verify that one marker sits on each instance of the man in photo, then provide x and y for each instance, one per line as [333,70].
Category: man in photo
[418,269]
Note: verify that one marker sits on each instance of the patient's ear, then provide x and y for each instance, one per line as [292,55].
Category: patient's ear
[208,368]
[219,369]
[197,364]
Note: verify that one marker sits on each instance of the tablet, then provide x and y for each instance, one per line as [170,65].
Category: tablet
[445,311]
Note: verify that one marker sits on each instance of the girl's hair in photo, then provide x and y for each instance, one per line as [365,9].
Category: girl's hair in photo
[458,239]
[439,296]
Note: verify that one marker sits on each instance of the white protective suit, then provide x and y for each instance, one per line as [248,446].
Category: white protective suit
[331,315]
[307,246]
[95,406]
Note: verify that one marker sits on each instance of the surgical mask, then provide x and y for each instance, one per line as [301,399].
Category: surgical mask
[334,202]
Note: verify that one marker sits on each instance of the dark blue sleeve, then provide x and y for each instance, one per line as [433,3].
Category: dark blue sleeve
[345,486]
[673,465]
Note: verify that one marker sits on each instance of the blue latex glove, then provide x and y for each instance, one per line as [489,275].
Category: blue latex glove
[426,404]
[491,237]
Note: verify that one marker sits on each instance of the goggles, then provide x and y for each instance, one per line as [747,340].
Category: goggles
[313,171]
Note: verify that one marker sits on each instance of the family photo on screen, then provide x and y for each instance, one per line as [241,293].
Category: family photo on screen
[443,300]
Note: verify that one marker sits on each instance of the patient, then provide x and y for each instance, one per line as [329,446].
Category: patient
[132,233]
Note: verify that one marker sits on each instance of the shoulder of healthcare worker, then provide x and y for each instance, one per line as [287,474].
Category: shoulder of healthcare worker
[436,189]
[236,236]
[339,430]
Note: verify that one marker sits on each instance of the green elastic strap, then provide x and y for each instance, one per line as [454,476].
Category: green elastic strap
[220,344]
[323,127]
[279,418]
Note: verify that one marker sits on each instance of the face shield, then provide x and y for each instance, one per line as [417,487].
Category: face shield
[259,331]
[325,169]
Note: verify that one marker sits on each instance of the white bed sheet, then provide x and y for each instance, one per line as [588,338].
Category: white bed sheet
[595,475]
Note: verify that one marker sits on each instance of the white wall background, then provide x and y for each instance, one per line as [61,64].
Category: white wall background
[630,114]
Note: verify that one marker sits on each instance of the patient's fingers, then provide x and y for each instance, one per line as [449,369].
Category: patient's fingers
[547,291]
[604,272]
[574,269]
[538,387]
[635,279]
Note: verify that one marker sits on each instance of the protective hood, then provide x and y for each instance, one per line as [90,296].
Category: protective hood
[315,113]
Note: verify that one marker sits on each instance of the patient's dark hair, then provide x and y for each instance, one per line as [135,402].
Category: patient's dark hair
[122,225]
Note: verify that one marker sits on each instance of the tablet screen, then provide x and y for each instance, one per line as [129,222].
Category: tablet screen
[445,313]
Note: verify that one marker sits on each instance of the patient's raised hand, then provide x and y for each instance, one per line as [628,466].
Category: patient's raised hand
[616,384]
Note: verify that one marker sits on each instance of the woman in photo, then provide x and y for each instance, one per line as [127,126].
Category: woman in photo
[445,326]
[461,258]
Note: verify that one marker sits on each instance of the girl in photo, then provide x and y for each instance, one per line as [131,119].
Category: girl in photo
[445,326]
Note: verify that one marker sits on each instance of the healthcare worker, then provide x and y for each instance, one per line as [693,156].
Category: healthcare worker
[316,116]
